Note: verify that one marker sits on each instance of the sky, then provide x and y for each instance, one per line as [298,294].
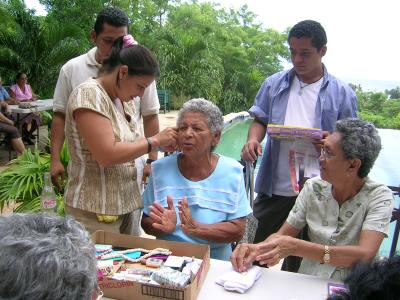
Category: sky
[363,35]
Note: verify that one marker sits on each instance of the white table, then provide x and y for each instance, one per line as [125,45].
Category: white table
[272,285]
[41,105]
[46,104]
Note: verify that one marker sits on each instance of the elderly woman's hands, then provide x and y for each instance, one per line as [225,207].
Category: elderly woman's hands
[188,225]
[164,218]
[275,248]
[243,256]
[269,252]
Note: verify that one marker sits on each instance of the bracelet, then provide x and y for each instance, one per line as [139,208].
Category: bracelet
[148,145]
[149,161]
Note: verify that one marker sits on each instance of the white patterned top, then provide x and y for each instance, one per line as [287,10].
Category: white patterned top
[91,187]
[331,224]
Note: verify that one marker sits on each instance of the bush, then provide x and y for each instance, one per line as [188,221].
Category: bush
[22,182]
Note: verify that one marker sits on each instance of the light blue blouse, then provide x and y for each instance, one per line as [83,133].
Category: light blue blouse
[220,197]
[3,94]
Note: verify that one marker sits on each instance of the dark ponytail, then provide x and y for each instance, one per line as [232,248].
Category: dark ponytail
[138,58]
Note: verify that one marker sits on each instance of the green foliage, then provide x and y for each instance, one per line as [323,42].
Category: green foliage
[46,117]
[22,182]
[393,93]
[203,50]
[207,52]
[37,46]
[64,155]
[378,108]
[79,12]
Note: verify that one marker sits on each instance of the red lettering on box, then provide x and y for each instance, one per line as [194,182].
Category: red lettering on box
[115,284]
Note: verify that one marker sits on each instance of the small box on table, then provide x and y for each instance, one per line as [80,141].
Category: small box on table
[126,290]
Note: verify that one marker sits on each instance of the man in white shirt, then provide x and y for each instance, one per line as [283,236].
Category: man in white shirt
[111,23]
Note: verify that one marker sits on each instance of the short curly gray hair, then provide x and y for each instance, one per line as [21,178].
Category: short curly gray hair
[45,257]
[210,111]
[359,139]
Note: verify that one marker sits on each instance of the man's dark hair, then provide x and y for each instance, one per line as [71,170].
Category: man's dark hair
[112,16]
[19,75]
[379,280]
[310,29]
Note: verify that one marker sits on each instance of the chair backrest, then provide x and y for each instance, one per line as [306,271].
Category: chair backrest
[163,96]
[395,218]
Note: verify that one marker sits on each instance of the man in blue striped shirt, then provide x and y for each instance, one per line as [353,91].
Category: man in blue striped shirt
[307,96]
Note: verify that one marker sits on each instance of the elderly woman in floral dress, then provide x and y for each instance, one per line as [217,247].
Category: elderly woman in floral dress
[347,213]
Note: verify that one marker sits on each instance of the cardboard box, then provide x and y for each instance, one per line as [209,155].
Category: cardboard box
[127,290]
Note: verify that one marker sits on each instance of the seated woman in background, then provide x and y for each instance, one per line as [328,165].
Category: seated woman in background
[7,126]
[5,96]
[347,213]
[103,140]
[197,196]
[22,92]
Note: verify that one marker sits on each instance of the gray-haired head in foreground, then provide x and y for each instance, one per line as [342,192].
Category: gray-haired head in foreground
[359,139]
[211,112]
[45,257]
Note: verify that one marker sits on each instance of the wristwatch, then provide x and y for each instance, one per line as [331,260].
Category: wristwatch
[326,259]
[149,161]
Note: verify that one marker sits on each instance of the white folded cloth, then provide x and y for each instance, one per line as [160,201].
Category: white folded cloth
[239,282]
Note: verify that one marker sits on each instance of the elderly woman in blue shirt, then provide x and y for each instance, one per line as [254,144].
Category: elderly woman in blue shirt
[196,195]
[347,213]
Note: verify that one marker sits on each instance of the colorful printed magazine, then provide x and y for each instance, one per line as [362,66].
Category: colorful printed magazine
[293,132]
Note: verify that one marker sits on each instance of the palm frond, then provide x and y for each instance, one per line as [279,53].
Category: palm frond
[22,181]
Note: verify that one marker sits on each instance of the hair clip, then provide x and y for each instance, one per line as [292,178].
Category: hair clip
[128,41]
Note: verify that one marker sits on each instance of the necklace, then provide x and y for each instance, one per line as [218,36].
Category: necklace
[302,86]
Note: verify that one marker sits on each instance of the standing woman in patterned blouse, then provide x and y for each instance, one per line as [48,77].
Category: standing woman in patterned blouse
[103,140]
[347,213]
